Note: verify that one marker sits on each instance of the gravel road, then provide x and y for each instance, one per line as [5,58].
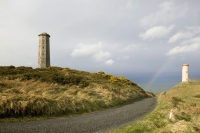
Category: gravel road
[100,121]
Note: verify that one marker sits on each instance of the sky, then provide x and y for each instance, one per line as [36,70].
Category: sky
[144,41]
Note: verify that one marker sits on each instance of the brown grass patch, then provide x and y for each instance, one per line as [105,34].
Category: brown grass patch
[61,91]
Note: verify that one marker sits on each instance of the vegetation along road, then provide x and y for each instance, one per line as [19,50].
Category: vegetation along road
[100,121]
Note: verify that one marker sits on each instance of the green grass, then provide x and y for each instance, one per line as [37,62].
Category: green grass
[184,100]
[55,91]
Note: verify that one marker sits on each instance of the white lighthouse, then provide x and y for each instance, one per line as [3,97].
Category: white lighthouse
[185,72]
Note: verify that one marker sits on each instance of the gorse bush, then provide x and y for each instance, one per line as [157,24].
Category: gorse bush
[49,74]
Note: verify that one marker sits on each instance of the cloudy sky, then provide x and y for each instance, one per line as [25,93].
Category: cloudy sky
[145,41]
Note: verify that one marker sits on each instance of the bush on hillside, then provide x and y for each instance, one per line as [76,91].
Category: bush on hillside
[197,96]
[29,76]
[176,100]
[60,75]
[83,84]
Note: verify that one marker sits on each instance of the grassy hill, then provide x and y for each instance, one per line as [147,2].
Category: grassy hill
[56,91]
[183,100]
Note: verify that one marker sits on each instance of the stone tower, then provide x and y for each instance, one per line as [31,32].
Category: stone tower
[44,50]
[185,73]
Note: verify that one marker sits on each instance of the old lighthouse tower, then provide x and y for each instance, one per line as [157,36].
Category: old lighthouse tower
[44,50]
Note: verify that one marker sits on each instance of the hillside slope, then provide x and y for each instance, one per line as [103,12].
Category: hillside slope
[55,91]
[184,102]
[96,122]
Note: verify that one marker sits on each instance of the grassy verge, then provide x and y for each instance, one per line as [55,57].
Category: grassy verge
[27,93]
[183,100]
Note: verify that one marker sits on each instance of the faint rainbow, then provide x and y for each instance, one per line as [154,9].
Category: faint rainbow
[160,70]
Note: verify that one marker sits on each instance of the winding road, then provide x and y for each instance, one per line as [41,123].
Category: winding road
[100,121]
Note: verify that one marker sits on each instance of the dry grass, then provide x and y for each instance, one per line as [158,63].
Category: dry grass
[184,100]
[26,96]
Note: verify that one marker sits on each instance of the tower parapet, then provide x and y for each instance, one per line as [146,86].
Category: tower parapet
[185,72]
[44,50]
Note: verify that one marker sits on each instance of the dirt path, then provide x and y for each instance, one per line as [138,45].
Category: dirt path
[89,123]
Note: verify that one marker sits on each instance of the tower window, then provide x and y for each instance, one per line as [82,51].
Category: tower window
[43,47]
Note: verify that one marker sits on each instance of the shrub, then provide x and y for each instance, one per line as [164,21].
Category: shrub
[56,78]
[197,96]
[11,67]
[53,68]
[183,116]
[29,76]
[83,84]
[75,79]
[176,100]
[101,73]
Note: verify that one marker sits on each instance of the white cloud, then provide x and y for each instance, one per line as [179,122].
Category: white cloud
[191,45]
[156,32]
[92,50]
[187,34]
[130,47]
[86,49]
[180,35]
[101,55]
[109,62]
[192,40]
[184,49]
[194,29]
[167,12]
